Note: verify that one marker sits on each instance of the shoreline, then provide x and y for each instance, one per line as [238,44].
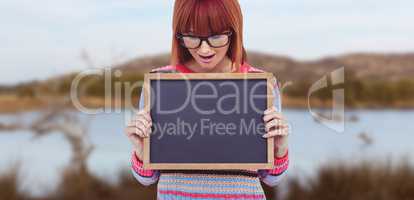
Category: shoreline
[13,104]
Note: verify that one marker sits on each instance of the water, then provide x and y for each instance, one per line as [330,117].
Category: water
[311,144]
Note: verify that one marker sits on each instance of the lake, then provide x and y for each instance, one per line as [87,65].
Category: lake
[312,144]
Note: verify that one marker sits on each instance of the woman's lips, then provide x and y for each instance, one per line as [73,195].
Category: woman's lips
[206,59]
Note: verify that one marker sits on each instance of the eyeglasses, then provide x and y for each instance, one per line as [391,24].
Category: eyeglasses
[194,42]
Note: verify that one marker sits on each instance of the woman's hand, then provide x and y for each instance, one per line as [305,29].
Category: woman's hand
[138,128]
[276,126]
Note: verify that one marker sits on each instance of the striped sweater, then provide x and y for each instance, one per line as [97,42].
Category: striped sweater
[211,184]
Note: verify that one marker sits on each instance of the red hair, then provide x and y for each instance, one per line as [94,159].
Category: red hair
[206,17]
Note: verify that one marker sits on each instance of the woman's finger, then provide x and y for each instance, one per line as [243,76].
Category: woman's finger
[275,123]
[132,131]
[270,124]
[276,132]
[139,114]
[147,116]
[143,122]
[269,110]
[139,132]
[272,115]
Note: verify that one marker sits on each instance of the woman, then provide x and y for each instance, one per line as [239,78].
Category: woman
[207,37]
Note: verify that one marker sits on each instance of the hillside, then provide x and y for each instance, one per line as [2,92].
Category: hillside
[371,81]
[369,66]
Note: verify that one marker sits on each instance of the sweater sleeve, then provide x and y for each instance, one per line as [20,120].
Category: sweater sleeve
[145,177]
[273,176]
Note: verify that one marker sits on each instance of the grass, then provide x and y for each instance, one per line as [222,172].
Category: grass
[341,181]
[85,186]
[363,181]
[9,185]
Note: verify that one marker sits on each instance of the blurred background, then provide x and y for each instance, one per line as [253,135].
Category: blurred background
[51,150]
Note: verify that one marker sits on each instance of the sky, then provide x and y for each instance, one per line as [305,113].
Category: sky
[44,38]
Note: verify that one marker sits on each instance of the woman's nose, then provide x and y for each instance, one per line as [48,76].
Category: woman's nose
[204,48]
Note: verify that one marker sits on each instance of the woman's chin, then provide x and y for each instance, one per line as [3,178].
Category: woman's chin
[206,66]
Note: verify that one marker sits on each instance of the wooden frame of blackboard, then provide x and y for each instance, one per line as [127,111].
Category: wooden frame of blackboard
[207,76]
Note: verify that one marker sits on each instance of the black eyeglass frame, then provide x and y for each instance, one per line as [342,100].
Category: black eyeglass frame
[180,38]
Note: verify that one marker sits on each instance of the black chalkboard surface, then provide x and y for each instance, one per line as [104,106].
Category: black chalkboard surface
[208,120]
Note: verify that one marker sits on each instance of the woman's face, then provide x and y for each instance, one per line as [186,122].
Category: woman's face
[208,57]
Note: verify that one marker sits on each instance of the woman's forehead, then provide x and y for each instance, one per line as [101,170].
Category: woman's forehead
[205,26]
[210,32]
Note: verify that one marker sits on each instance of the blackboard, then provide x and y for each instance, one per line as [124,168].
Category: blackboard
[208,120]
